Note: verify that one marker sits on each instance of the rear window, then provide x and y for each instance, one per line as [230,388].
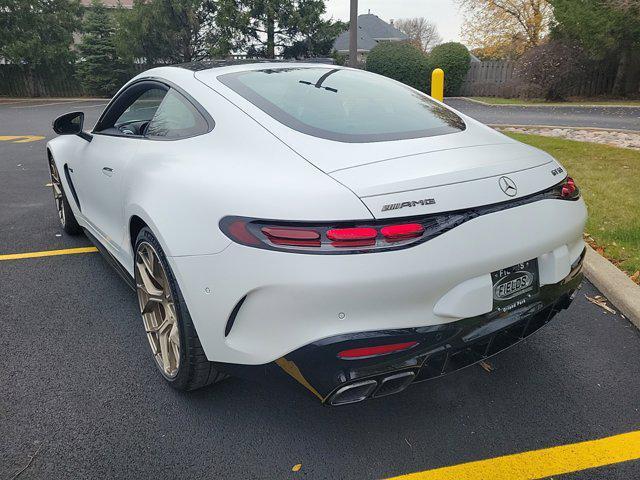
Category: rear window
[343,105]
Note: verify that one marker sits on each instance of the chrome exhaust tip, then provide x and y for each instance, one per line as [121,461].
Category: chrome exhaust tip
[359,391]
[394,384]
[354,392]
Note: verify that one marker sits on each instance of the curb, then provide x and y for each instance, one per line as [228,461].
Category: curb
[568,105]
[614,285]
[565,127]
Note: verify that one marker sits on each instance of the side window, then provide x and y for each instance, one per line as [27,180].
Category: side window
[176,117]
[140,112]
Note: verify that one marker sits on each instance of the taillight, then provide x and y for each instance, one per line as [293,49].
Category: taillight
[352,237]
[335,238]
[369,236]
[568,190]
[292,236]
[368,352]
[395,233]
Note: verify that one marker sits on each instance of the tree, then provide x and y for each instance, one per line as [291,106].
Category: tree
[38,33]
[505,28]
[100,69]
[454,59]
[267,25]
[167,31]
[401,61]
[421,32]
[603,28]
[549,70]
[317,42]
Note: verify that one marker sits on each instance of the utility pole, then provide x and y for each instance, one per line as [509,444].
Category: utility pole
[353,34]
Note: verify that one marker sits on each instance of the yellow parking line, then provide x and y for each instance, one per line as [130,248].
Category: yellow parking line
[48,253]
[20,138]
[541,463]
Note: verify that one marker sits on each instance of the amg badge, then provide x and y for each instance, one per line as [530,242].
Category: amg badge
[413,203]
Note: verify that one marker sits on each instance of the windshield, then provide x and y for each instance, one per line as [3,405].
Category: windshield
[343,105]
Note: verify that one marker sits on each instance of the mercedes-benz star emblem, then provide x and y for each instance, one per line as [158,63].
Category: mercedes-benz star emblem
[508,186]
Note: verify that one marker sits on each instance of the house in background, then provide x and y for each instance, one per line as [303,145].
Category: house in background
[371,31]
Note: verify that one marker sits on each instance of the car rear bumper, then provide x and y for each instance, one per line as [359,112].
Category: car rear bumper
[253,306]
[440,349]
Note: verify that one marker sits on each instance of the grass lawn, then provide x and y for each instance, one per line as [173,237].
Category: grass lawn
[541,101]
[609,178]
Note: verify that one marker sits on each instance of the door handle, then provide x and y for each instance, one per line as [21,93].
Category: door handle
[108,171]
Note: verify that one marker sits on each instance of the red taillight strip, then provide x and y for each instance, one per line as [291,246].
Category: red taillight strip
[352,234]
[400,232]
[238,229]
[284,236]
[291,233]
[568,188]
[298,237]
[367,352]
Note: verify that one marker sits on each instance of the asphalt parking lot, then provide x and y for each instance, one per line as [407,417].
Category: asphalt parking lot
[625,118]
[81,397]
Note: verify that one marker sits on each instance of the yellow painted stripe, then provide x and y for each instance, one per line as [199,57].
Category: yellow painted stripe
[48,253]
[541,463]
[20,138]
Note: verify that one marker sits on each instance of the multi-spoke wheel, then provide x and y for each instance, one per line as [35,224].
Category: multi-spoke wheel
[65,214]
[158,309]
[56,186]
[172,337]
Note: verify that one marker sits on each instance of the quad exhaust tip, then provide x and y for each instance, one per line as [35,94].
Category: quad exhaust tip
[359,391]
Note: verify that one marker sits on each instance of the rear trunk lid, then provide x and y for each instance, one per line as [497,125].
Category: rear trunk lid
[449,180]
[433,174]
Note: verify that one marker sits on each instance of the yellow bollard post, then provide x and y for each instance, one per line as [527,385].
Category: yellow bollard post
[437,84]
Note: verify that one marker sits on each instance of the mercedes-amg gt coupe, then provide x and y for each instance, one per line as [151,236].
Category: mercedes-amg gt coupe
[318,225]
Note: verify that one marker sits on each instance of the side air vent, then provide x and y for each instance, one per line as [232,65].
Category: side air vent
[73,190]
[232,317]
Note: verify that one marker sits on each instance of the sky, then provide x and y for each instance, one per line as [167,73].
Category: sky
[444,13]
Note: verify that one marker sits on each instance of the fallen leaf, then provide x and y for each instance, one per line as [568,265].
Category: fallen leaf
[601,302]
[296,467]
[636,277]
[487,366]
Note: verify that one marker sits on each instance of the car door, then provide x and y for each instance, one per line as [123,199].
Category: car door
[99,171]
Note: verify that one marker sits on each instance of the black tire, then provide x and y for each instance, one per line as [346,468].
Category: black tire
[65,213]
[195,370]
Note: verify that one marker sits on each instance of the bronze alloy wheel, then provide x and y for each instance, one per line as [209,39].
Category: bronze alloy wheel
[158,309]
[56,186]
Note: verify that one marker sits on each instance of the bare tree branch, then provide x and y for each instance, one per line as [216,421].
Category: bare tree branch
[422,32]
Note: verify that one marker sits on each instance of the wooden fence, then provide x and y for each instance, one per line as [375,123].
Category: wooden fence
[19,81]
[496,79]
[487,79]
[62,81]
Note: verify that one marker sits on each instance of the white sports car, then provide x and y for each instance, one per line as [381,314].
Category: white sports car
[317,224]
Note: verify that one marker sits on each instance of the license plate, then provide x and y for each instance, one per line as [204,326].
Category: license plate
[515,286]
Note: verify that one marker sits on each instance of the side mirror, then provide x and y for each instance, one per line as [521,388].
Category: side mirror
[71,124]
